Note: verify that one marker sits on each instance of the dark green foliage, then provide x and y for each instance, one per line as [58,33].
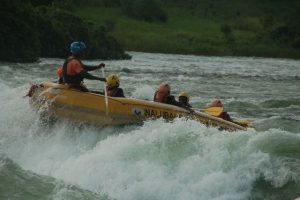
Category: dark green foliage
[66,28]
[99,44]
[206,27]
[287,32]
[148,10]
[110,48]
[267,21]
[226,30]
[105,3]
[19,37]
[41,2]
[45,28]
[109,25]
[293,25]
[29,32]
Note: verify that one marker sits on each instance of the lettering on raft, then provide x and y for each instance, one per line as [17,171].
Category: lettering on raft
[159,113]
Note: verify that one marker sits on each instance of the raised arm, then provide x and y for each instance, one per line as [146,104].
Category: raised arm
[87,75]
[91,68]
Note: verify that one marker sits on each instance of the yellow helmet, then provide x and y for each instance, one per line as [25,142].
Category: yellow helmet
[112,81]
[184,94]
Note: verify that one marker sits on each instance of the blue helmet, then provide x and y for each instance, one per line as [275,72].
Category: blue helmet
[77,48]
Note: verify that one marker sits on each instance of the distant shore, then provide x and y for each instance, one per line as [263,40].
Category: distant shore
[188,33]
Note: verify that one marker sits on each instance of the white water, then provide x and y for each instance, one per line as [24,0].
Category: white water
[179,160]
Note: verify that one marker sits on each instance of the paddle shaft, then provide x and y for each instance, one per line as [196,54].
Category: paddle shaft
[105,92]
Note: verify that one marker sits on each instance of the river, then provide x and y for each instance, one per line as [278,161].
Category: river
[158,160]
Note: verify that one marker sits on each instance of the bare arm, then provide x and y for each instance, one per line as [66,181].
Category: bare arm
[91,68]
[91,77]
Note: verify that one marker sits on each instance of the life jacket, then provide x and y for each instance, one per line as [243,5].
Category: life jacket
[167,99]
[71,79]
[171,100]
[110,93]
[160,98]
[185,105]
[114,92]
[225,116]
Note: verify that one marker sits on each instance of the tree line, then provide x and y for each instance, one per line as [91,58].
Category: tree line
[33,28]
[44,28]
[272,21]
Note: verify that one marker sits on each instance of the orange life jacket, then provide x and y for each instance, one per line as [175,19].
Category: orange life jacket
[71,79]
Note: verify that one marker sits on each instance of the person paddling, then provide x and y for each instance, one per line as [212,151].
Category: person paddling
[74,71]
[163,95]
[183,99]
[112,86]
[217,103]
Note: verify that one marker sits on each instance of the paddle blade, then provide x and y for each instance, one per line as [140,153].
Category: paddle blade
[214,111]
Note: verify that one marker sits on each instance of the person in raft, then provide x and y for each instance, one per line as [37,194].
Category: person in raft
[112,86]
[74,71]
[163,95]
[183,99]
[224,115]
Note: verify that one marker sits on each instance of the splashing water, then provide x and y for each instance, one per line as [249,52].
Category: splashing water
[158,160]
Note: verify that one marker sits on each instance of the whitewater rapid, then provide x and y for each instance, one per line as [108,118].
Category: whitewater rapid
[158,160]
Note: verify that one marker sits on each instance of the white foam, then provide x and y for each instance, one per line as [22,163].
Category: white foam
[179,160]
[144,92]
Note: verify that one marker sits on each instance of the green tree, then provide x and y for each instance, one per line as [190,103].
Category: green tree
[19,35]
[29,32]
[148,10]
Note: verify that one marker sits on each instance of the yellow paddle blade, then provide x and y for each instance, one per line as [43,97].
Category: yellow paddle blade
[214,111]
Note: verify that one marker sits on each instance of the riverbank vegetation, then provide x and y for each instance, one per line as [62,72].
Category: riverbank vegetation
[45,28]
[33,28]
[235,28]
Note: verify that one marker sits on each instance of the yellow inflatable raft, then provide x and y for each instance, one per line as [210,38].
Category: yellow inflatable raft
[84,107]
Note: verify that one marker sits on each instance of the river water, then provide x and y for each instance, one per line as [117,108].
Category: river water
[158,160]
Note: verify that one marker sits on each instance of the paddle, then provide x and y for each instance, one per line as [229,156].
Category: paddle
[214,111]
[105,92]
[242,122]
